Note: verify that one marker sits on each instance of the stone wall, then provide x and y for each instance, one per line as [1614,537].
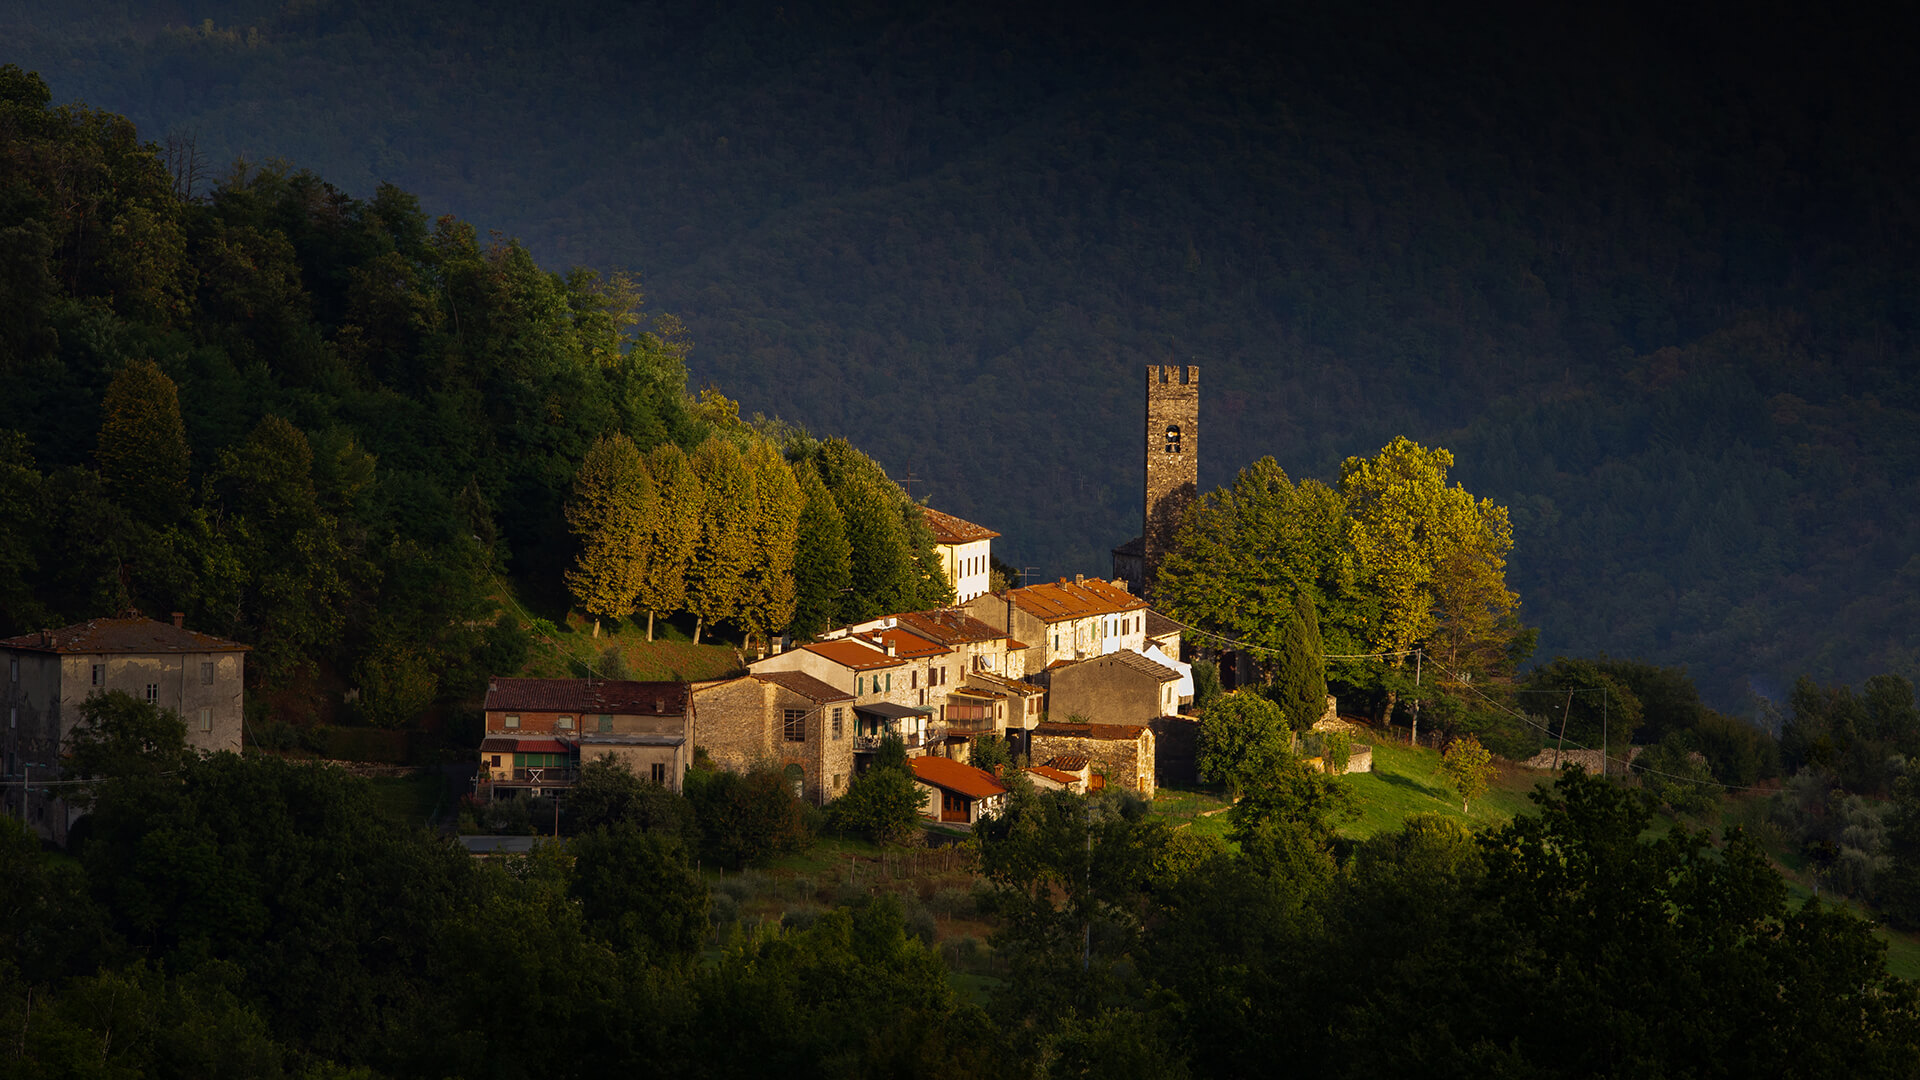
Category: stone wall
[1124,755]
[1173,455]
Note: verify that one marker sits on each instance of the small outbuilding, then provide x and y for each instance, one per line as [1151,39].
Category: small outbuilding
[955,793]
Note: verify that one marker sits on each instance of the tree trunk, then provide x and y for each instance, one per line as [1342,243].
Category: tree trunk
[649,626]
[596,628]
[698,624]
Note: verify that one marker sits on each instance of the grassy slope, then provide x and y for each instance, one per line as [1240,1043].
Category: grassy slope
[571,645]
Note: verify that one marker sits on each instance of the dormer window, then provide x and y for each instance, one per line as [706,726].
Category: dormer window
[1173,438]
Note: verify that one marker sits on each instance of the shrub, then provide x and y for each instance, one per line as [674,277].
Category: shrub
[744,820]
[882,805]
[922,924]
[952,903]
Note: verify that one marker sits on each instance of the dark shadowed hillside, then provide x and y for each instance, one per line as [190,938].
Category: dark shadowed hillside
[1650,276]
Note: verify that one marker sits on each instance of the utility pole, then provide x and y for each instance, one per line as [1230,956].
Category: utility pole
[1565,713]
[1414,737]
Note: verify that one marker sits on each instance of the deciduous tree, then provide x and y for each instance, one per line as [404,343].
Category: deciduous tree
[1469,767]
[717,572]
[675,532]
[1243,736]
[142,449]
[613,515]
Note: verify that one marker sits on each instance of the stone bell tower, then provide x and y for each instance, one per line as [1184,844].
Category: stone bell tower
[1173,459]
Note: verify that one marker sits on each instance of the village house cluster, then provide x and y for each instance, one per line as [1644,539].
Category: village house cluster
[1080,678]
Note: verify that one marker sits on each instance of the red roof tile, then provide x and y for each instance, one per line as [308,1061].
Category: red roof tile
[948,529]
[905,645]
[854,654]
[950,626]
[1055,775]
[805,685]
[609,696]
[1066,763]
[954,776]
[1065,599]
[129,635]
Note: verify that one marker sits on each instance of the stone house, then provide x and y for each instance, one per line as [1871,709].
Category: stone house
[976,645]
[787,719]
[1065,620]
[50,673]
[1121,687]
[1120,753]
[887,689]
[538,731]
[955,793]
[966,552]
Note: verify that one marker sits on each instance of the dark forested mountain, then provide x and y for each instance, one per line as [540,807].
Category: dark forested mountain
[1649,274]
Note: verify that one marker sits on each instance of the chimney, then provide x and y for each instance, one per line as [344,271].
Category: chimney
[889,648]
[179,620]
[1079,579]
[46,639]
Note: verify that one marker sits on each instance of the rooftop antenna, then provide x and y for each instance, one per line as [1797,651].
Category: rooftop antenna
[909,481]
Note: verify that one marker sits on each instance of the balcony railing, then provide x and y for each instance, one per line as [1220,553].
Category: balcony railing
[551,775]
[872,742]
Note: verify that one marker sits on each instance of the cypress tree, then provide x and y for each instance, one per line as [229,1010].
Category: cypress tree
[1300,679]
[822,562]
[142,449]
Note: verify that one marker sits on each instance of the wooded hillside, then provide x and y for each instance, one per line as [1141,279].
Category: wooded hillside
[1649,274]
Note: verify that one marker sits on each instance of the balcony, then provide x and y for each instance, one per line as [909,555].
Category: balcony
[866,744]
[547,776]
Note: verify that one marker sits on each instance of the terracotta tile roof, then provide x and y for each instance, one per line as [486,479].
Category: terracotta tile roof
[854,654]
[948,529]
[581,696]
[1055,775]
[1159,625]
[1004,685]
[1114,732]
[953,776]
[805,685]
[1133,661]
[1071,763]
[1065,599]
[950,626]
[129,635]
[905,645]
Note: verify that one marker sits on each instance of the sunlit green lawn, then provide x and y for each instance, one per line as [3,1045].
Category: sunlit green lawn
[1409,780]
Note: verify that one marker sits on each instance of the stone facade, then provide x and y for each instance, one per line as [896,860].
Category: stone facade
[49,674]
[1065,620]
[1123,754]
[754,720]
[1118,688]
[1173,456]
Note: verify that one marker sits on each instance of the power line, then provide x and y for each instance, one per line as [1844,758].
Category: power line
[1477,692]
